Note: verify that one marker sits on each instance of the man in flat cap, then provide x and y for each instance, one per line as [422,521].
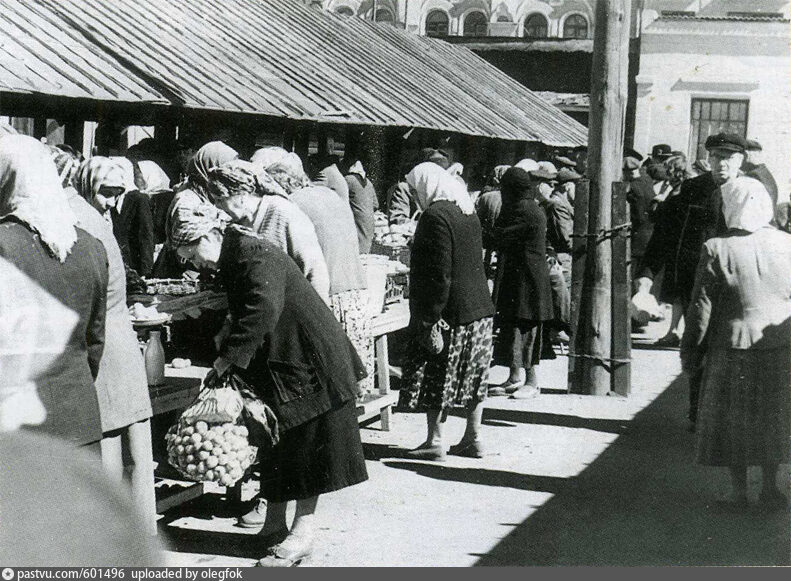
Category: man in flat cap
[755,168]
[687,221]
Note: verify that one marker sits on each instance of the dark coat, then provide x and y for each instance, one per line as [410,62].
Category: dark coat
[447,278]
[65,385]
[520,235]
[134,230]
[289,345]
[641,193]
[683,224]
[363,200]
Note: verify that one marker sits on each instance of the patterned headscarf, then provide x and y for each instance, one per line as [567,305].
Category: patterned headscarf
[194,223]
[289,173]
[66,163]
[31,191]
[238,177]
[99,171]
[746,204]
[434,184]
[211,155]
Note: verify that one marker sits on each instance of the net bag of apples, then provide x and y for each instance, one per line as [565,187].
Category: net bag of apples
[217,438]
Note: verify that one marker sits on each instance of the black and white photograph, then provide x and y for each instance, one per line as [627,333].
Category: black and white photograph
[393,283]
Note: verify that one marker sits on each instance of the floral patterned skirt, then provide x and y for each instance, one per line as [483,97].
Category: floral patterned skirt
[454,378]
[350,308]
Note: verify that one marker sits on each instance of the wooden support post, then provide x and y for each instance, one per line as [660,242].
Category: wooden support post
[302,142]
[39,127]
[289,133]
[621,293]
[579,255]
[73,132]
[608,107]
[323,141]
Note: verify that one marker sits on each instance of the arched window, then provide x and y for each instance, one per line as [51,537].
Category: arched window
[344,11]
[384,15]
[503,18]
[536,26]
[575,26]
[437,23]
[476,24]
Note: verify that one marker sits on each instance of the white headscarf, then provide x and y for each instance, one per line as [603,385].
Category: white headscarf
[434,184]
[528,165]
[746,204]
[155,178]
[268,156]
[31,190]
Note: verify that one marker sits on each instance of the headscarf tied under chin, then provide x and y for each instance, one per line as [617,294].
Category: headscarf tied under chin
[746,204]
[434,184]
[98,172]
[238,177]
[194,223]
[211,155]
[30,190]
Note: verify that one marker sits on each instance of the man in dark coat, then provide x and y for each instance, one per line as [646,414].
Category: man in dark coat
[688,220]
[525,299]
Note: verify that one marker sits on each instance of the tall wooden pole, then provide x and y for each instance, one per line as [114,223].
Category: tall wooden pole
[605,151]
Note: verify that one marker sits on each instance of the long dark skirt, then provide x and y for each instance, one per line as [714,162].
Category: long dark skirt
[744,414]
[320,456]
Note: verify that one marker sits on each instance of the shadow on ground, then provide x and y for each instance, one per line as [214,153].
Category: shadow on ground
[644,501]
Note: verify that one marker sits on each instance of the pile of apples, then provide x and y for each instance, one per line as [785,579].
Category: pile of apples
[206,452]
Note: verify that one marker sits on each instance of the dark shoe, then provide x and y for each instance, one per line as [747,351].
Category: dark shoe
[256,517]
[272,539]
[772,500]
[432,453]
[472,449]
[670,341]
[277,556]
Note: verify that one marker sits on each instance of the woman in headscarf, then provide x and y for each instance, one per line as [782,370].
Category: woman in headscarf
[194,192]
[450,313]
[336,233]
[252,198]
[53,292]
[364,203]
[121,385]
[287,345]
[108,183]
[524,302]
[738,329]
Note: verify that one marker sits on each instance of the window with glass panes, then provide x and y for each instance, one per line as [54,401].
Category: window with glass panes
[476,24]
[575,26]
[710,116]
[437,23]
[384,15]
[536,26]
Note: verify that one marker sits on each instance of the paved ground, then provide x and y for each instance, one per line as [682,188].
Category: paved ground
[569,480]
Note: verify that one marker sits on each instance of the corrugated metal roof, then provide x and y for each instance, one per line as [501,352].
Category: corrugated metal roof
[39,54]
[280,58]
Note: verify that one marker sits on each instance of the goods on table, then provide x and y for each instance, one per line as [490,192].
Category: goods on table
[172,286]
[397,286]
[393,241]
[211,441]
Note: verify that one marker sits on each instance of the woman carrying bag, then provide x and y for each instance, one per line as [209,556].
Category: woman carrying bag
[286,344]
[450,313]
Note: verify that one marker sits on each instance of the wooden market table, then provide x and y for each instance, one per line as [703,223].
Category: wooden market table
[182,386]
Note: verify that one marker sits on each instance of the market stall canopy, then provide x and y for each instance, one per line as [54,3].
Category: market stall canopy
[282,59]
